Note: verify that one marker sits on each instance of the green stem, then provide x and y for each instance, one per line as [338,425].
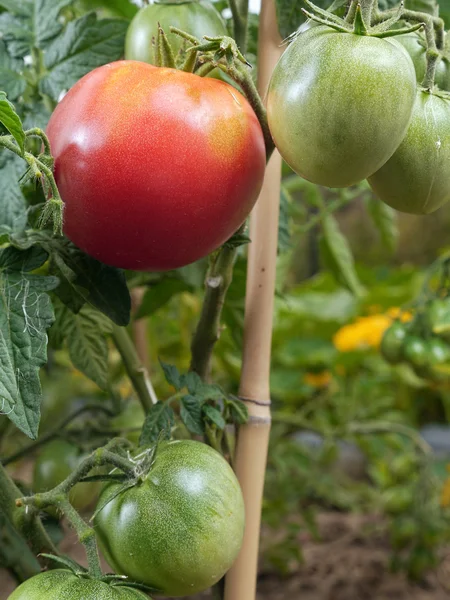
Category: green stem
[58,431]
[239,11]
[135,369]
[218,280]
[36,132]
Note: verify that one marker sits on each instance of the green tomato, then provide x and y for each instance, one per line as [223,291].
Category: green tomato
[339,104]
[393,341]
[57,460]
[416,46]
[179,530]
[416,352]
[438,317]
[415,180]
[62,584]
[198,18]
[397,500]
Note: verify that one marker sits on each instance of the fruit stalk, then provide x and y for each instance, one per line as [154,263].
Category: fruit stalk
[253,438]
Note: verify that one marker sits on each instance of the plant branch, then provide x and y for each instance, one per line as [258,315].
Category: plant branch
[58,431]
[239,11]
[136,371]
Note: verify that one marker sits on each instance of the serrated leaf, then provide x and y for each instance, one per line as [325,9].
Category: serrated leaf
[84,279]
[17,34]
[191,414]
[18,7]
[26,314]
[159,294]
[192,381]
[385,220]
[214,415]
[158,422]
[85,44]
[172,375]
[85,335]
[45,22]
[239,411]
[11,120]
[198,388]
[13,210]
[11,80]
[338,257]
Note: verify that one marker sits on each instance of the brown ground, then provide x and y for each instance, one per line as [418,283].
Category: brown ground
[348,564]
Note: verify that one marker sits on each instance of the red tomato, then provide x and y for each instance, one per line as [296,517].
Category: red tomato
[157,167]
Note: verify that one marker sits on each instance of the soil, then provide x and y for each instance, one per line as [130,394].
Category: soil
[351,562]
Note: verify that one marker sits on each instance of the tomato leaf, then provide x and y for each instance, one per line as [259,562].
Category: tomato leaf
[85,335]
[214,415]
[85,44]
[159,294]
[338,257]
[191,414]
[172,375]
[385,220]
[158,422]
[11,120]
[67,562]
[26,314]
[118,8]
[238,410]
[11,79]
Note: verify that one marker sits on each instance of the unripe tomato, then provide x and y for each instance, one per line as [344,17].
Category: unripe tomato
[56,462]
[415,179]
[393,341]
[416,352]
[179,530]
[339,104]
[61,584]
[197,17]
[438,317]
[157,167]
[397,500]
[416,46]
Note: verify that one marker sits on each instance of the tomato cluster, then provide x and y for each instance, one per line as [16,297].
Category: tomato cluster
[424,343]
[344,107]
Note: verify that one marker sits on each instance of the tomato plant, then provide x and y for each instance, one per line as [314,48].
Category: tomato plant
[197,17]
[56,461]
[414,180]
[60,583]
[180,529]
[142,178]
[392,344]
[416,46]
[325,124]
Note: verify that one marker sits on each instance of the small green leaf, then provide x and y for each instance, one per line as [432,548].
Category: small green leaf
[67,562]
[338,257]
[239,411]
[158,422]
[28,260]
[159,294]
[172,375]
[11,121]
[214,415]
[191,414]
[238,239]
[385,220]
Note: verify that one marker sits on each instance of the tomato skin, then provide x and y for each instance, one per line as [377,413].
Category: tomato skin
[328,96]
[157,167]
[416,46]
[56,461]
[416,352]
[392,343]
[62,584]
[182,528]
[198,18]
[415,179]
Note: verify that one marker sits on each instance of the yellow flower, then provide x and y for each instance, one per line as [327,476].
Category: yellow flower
[367,332]
[318,380]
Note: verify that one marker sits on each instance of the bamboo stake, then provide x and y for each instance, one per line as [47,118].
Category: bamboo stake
[253,438]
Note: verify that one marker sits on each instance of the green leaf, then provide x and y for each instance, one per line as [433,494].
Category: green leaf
[385,220]
[25,315]
[238,410]
[11,76]
[214,415]
[191,414]
[18,7]
[116,8]
[338,257]
[158,422]
[13,211]
[84,279]
[22,260]
[85,44]
[172,375]
[198,388]
[45,22]
[85,335]
[11,121]
[159,294]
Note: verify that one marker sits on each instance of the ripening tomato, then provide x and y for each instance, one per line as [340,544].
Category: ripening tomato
[197,17]
[181,528]
[416,178]
[339,104]
[62,584]
[157,167]
[416,46]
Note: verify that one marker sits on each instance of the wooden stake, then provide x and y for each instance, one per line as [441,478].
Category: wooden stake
[253,438]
